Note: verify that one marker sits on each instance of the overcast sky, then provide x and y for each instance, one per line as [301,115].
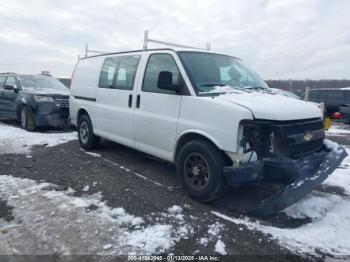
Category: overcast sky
[280,39]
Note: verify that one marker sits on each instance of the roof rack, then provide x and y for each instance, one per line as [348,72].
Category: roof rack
[87,51]
[8,73]
[145,45]
[147,40]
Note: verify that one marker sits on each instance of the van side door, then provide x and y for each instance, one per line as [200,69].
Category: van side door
[115,98]
[157,110]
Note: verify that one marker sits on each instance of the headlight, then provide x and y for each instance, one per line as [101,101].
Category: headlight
[43,99]
[258,136]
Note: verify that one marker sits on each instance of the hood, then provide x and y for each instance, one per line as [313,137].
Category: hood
[46,91]
[272,106]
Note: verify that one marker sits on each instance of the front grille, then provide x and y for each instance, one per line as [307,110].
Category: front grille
[297,139]
[62,101]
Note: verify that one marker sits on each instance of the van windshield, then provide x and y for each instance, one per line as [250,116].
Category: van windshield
[217,74]
[41,82]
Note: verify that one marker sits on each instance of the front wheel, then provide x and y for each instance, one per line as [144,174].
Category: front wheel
[27,120]
[86,136]
[200,170]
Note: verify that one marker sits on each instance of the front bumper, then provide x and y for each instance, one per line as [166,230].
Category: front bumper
[50,115]
[298,177]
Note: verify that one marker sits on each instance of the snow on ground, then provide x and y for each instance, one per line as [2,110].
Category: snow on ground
[338,130]
[14,140]
[341,176]
[220,247]
[328,231]
[56,222]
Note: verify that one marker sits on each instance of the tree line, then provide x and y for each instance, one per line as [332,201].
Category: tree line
[293,85]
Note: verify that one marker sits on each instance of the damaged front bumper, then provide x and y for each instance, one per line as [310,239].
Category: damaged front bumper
[298,177]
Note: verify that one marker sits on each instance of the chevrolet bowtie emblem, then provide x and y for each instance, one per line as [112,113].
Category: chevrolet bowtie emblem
[308,136]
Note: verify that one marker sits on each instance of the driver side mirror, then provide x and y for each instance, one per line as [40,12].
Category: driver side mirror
[165,81]
[11,87]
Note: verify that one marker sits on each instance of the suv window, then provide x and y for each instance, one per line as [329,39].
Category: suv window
[119,72]
[2,81]
[156,64]
[11,81]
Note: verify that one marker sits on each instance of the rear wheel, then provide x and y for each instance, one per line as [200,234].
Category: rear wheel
[200,170]
[87,139]
[27,120]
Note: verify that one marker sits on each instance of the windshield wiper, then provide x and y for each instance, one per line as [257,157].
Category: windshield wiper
[222,84]
[258,88]
[212,84]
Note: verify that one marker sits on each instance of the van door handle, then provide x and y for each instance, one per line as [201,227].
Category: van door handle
[130,100]
[138,98]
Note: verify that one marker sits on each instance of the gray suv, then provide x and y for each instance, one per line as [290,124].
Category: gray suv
[34,100]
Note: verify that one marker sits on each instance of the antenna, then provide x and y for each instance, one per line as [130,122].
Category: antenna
[147,40]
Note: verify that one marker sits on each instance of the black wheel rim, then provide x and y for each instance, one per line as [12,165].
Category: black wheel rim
[196,171]
[84,132]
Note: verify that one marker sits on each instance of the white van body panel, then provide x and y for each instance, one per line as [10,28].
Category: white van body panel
[213,118]
[113,116]
[155,122]
[162,119]
[84,85]
[273,106]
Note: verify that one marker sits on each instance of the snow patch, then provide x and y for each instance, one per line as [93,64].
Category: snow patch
[314,207]
[335,130]
[56,222]
[215,229]
[14,140]
[153,239]
[85,188]
[92,154]
[341,176]
[175,209]
[220,247]
[328,232]
[204,241]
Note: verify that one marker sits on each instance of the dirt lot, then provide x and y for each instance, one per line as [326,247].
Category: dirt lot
[56,199]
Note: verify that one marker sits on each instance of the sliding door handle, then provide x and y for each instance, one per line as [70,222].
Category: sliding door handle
[130,100]
[138,98]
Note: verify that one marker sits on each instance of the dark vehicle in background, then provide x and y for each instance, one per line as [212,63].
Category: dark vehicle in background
[34,100]
[336,100]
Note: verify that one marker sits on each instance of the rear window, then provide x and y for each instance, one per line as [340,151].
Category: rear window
[41,82]
[119,72]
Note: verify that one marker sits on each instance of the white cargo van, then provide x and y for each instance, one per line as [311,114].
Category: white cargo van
[207,112]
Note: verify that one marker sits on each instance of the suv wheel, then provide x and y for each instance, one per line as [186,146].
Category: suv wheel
[86,136]
[27,120]
[200,170]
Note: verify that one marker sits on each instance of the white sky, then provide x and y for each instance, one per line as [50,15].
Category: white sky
[280,39]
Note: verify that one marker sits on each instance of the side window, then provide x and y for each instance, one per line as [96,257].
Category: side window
[11,81]
[2,81]
[119,72]
[314,95]
[156,64]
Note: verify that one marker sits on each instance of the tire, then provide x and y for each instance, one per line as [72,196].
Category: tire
[86,136]
[201,161]
[27,119]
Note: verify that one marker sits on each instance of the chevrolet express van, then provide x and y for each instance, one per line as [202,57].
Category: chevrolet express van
[208,113]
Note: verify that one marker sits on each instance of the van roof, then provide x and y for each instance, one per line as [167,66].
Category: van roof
[177,49]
